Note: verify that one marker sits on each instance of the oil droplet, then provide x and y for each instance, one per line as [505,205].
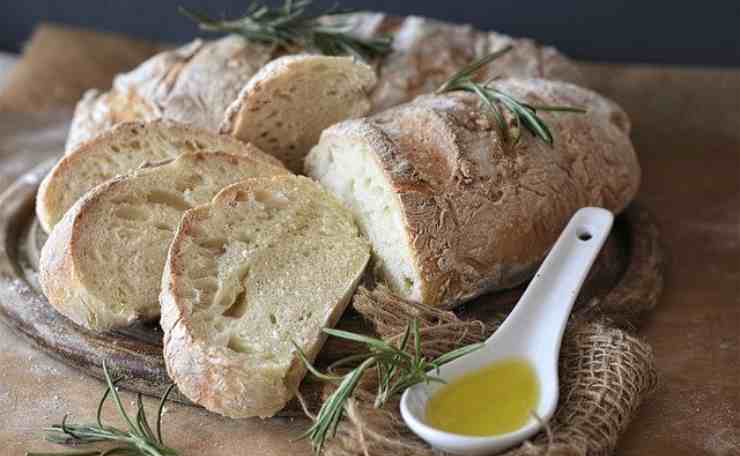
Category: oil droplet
[496,399]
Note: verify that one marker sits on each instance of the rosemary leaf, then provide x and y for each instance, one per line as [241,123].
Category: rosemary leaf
[293,26]
[523,114]
[397,368]
[160,412]
[137,440]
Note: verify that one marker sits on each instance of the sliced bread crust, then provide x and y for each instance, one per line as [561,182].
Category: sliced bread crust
[284,108]
[120,150]
[452,211]
[269,262]
[102,264]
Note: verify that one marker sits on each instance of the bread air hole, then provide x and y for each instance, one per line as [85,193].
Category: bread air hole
[237,345]
[217,245]
[243,237]
[239,307]
[188,182]
[132,213]
[283,96]
[172,200]
[163,227]
[193,145]
[271,199]
[206,284]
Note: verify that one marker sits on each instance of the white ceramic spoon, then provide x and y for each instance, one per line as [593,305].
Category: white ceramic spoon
[533,331]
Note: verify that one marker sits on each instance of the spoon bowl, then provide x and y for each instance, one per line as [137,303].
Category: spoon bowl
[533,332]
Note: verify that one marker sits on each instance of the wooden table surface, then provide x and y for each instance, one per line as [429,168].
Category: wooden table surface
[686,125]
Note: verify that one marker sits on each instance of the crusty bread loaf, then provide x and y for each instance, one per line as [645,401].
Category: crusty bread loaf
[269,262]
[284,108]
[193,84]
[102,263]
[196,83]
[450,210]
[120,150]
[427,52]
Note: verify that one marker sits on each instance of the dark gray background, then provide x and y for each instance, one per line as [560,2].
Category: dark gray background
[681,32]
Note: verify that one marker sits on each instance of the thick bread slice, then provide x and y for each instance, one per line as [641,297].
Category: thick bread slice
[120,150]
[102,264]
[193,84]
[284,108]
[269,262]
[451,211]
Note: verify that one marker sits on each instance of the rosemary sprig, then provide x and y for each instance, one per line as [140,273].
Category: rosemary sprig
[292,25]
[523,114]
[137,440]
[397,368]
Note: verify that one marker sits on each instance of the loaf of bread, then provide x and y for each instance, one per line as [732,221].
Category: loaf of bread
[284,108]
[196,83]
[193,84]
[120,150]
[451,210]
[102,264]
[269,263]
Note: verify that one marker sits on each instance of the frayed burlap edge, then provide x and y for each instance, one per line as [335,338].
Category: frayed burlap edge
[605,373]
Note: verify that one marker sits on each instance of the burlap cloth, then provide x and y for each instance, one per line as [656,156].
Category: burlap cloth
[605,372]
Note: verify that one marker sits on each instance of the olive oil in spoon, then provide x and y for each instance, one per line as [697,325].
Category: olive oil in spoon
[494,400]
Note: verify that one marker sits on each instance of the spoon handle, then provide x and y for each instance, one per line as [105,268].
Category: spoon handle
[540,316]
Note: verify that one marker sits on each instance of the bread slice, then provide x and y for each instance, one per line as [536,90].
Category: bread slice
[451,210]
[287,104]
[120,150]
[102,264]
[269,262]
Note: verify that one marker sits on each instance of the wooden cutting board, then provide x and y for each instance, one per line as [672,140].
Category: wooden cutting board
[686,125]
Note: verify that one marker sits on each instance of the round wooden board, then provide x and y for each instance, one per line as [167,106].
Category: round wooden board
[625,281]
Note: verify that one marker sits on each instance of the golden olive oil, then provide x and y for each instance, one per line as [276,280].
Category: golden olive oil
[496,399]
